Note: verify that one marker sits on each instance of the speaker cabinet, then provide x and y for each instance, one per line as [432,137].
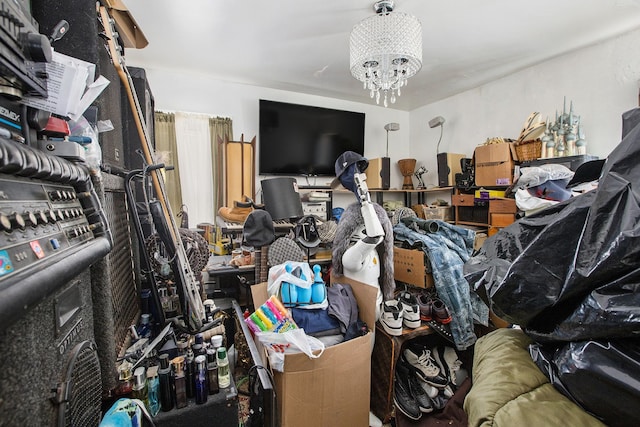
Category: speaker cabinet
[131,137]
[448,167]
[379,173]
[39,350]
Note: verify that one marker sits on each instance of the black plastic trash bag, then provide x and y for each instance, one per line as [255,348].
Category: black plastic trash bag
[603,377]
[572,271]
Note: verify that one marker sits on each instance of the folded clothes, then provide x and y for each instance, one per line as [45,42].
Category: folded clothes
[316,322]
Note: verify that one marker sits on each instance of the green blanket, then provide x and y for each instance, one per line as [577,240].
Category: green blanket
[510,390]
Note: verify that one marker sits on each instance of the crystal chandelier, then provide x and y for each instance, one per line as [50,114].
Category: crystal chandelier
[386,49]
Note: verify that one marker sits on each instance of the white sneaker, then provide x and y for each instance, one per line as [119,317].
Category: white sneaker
[391,317]
[456,373]
[411,310]
[425,367]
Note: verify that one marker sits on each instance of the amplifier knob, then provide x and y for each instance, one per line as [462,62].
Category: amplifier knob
[5,223]
[52,216]
[31,219]
[17,221]
[42,217]
[60,215]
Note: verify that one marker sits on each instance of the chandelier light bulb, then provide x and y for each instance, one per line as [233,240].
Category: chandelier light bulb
[385,51]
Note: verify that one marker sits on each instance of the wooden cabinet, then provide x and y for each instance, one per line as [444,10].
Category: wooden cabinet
[386,352]
[491,213]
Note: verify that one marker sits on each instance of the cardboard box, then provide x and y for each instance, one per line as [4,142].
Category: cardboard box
[410,266]
[333,390]
[494,164]
[443,213]
[131,34]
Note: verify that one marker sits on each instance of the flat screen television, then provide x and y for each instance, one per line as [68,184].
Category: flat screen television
[304,140]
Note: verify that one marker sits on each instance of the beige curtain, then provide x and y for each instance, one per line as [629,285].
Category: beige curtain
[221,129]
[167,153]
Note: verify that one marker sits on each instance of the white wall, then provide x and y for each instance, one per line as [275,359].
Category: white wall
[175,90]
[602,80]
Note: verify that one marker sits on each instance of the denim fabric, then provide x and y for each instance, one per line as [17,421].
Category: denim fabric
[448,249]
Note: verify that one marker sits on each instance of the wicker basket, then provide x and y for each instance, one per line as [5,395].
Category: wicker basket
[528,150]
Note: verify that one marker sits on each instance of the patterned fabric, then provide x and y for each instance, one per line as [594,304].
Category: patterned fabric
[327,231]
[284,249]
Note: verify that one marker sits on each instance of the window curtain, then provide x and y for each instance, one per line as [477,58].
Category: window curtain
[221,130]
[194,142]
[167,153]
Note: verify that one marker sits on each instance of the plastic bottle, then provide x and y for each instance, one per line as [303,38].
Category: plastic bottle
[190,373]
[304,294]
[288,292]
[140,390]
[212,371]
[180,381]
[224,375]
[201,379]
[198,346]
[153,391]
[318,291]
[166,383]
[144,330]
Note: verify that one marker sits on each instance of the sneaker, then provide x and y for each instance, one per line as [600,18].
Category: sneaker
[407,376]
[403,400]
[456,373]
[391,317]
[410,310]
[424,365]
[426,307]
[440,311]
[429,389]
[438,356]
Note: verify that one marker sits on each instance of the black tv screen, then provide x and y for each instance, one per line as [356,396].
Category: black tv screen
[305,140]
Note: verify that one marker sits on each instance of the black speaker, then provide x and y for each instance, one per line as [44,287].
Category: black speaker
[379,173]
[82,41]
[448,167]
[49,360]
[131,136]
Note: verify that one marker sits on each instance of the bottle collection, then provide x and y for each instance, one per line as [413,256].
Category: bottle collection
[197,372]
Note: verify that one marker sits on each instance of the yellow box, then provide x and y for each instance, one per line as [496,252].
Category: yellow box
[489,194]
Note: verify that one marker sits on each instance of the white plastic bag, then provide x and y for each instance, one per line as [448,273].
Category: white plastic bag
[292,341]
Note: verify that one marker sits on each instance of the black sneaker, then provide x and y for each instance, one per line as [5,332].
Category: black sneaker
[403,399]
[407,375]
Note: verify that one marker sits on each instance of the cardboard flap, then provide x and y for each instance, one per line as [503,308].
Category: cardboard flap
[132,35]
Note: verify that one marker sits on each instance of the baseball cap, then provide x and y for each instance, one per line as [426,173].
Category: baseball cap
[345,168]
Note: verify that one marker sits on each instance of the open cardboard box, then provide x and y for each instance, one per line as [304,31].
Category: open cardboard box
[334,389]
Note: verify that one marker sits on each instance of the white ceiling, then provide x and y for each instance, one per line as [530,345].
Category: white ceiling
[303,45]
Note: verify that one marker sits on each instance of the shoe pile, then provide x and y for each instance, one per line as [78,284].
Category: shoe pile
[409,310]
[425,379]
